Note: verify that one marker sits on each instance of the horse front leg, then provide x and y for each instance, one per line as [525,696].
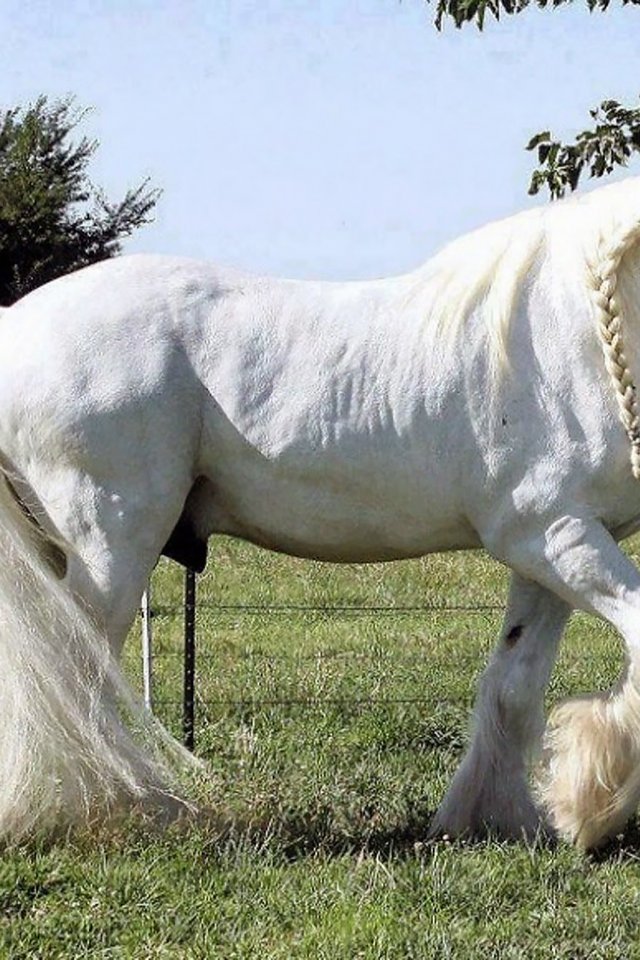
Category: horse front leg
[490,789]
[589,780]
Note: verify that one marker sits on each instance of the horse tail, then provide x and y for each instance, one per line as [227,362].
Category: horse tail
[76,745]
[605,295]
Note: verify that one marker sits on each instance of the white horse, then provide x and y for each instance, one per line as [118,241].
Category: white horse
[482,400]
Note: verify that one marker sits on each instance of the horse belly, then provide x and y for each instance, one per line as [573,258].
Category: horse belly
[370,546]
[335,511]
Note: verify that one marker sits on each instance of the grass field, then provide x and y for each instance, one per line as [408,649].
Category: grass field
[331,737]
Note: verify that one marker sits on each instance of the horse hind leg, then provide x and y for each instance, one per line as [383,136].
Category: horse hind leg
[589,777]
[102,569]
[114,540]
[490,791]
[67,750]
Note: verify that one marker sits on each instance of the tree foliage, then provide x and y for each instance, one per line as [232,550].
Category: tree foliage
[53,219]
[609,142]
[477,11]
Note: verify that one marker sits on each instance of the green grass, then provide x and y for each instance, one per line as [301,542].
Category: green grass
[331,737]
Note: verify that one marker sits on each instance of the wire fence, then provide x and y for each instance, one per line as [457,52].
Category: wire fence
[194,706]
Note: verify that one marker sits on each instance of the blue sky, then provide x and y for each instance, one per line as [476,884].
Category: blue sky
[315,138]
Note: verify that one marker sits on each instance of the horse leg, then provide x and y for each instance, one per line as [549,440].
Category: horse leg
[116,540]
[490,789]
[74,743]
[110,586]
[590,776]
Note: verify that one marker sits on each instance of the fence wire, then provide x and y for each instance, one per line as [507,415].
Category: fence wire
[200,661]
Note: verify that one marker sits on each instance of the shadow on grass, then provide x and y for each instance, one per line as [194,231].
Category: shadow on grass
[623,847]
[300,838]
[398,843]
[289,839]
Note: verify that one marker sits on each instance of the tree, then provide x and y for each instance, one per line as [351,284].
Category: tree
[53,219]
[609,142]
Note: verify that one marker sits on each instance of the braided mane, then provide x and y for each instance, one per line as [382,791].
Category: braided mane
[603,282]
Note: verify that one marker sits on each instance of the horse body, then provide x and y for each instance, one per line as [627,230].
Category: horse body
[307,416]
[320,436]
[314,418]
[355,422]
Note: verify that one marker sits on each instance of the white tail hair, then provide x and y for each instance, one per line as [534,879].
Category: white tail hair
[75,742]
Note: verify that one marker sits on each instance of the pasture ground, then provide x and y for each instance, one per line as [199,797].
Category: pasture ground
[321,807]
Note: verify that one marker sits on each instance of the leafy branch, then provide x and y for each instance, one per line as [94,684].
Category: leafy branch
[609,143]
[614,138]
[476,11]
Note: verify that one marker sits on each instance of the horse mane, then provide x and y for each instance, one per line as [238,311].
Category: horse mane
[613,282]
[484,269]
[586,235]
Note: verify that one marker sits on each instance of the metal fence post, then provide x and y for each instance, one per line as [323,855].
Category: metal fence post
[188,714]
[147,648]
